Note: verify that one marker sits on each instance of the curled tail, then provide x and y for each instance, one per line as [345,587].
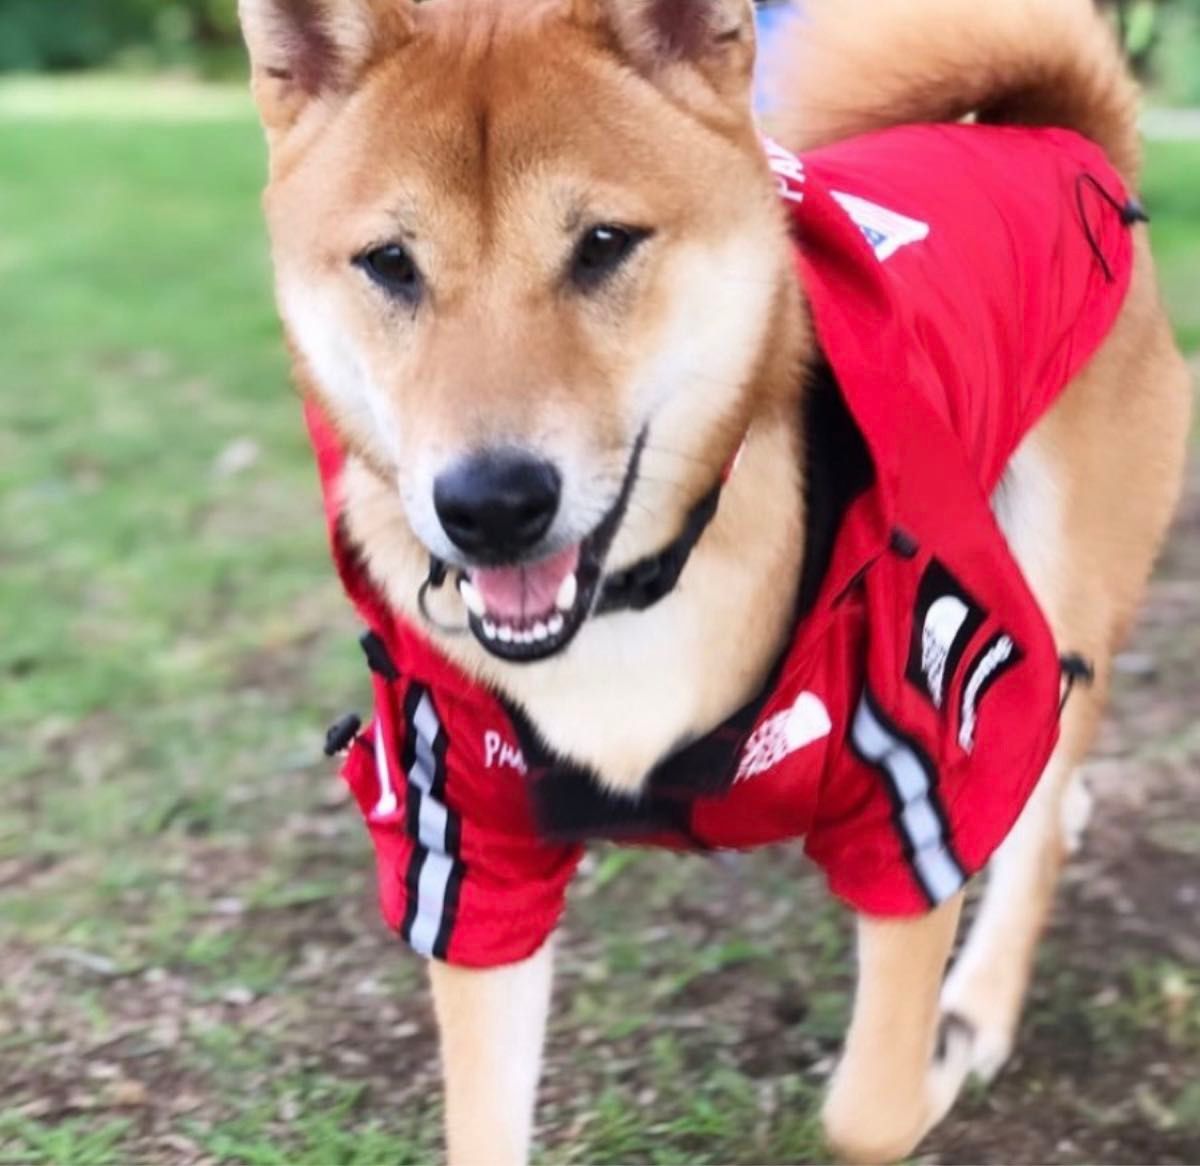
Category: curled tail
[852,66]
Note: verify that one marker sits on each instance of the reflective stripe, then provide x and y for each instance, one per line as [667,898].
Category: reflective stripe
[433,818]
[431,902]
[435,869]
[913,793]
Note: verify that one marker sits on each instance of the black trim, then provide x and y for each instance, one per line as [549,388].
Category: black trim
[412,824]
[934,796]
[570,805]
[378,659]
[838,468]
[454,880]
[412,808]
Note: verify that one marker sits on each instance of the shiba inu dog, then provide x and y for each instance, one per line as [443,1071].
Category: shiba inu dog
[651,447]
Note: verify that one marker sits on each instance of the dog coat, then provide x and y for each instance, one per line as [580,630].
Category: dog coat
[959,277]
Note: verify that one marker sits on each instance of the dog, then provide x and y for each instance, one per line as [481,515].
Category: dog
[681,501]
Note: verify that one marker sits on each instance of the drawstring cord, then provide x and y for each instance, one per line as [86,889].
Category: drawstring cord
[1131,212]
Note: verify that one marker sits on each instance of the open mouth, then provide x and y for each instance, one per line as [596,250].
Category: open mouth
[531,611]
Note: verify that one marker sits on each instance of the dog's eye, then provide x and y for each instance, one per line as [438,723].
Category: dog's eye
[394,269]
[601,251]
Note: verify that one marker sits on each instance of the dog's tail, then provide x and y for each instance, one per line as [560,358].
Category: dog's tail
[852,66]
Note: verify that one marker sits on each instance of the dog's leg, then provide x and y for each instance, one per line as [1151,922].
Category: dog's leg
[493,1024]
[986,988]
[895,1081]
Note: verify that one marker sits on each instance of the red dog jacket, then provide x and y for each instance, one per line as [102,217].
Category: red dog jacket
[959,277]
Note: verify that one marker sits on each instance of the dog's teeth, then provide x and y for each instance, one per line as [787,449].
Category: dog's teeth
[472,598]
[540,631]
[556,625]
[489,629]
[505,634]
[567,593]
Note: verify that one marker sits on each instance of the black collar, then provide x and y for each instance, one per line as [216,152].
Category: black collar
[653,578]
[838,469]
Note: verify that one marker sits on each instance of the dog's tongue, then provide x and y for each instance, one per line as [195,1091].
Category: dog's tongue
[515,594]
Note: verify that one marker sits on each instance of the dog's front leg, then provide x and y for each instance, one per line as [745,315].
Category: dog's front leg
[493,1024]
[895,1080]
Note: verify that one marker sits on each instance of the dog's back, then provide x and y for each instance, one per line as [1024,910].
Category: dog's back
[852,66]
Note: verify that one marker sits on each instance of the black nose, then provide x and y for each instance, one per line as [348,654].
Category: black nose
[497,504]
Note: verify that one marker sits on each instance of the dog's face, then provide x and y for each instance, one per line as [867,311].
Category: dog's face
[528,255]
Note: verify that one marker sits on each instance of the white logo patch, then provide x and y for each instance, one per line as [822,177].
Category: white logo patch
[804,724]
[998,655]
[886,230]
[942,625]
[788,170]
[498,753]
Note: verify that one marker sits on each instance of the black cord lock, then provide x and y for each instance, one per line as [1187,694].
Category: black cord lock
[342,734]
[1076,669]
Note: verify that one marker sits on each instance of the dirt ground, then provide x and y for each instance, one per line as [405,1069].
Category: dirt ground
[718,999]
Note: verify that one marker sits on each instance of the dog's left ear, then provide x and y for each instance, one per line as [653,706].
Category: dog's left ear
[714,37]
[303,52]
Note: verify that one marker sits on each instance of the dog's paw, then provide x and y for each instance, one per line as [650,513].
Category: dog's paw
[869,1119]
[862,1135]
[981,1029]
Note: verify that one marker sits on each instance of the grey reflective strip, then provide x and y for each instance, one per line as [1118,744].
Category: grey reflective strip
[432,822]
[431,902]
[936,868]
[431,826]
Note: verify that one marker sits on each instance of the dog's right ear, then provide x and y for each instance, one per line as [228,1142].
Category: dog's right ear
[714,37]
[303,51]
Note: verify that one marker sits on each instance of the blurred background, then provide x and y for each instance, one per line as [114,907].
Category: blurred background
[192,968]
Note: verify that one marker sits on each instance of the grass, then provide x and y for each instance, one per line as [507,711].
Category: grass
[186,906]
[1173,197]
[72,1143]
[151,577]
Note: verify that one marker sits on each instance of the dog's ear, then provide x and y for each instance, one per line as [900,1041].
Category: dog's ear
[305,50]
[716,37]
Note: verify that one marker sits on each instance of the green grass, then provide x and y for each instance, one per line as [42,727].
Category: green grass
[72,1143]
[148,590]
[1172,195]
[173,642]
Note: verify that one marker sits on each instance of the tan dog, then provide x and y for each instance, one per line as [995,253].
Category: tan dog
[467,153]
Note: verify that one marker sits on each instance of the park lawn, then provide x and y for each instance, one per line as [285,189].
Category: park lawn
[190,961]
[1172,195]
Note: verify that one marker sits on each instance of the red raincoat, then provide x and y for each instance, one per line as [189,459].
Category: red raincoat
[959,278]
